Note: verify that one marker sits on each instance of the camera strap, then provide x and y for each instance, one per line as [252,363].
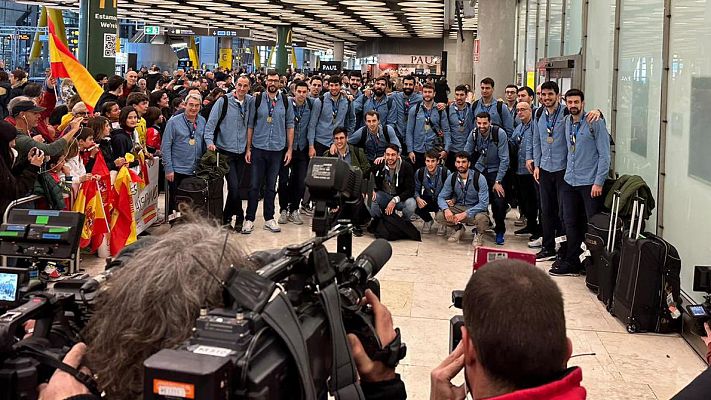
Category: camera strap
[344,377]
[43,358]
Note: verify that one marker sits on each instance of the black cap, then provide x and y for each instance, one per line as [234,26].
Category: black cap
[27,106]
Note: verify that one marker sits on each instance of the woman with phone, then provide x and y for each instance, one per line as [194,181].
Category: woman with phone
[17,176]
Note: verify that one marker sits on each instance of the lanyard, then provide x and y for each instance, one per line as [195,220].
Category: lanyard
[463,187]
[459,116]
[271,105]
[551,125]
[431,185]
[376,105]
[300,112]
[334,108]
[428,114]
[241,112]
[523,131]
[375,136]
[486,108]
[574,130]
[191,127]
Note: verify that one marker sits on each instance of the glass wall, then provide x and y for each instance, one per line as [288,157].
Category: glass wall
[555,27]
[600,54]
[687,189]
[639,90]
[574,25]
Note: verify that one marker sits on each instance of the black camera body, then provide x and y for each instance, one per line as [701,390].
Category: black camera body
[701,313]
[281,333]
[456,322]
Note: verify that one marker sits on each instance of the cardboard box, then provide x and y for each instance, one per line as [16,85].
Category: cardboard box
[484,255]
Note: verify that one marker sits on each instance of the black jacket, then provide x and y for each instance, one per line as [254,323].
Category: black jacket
[105,97]
[404,179]
[5,90]
[16,182]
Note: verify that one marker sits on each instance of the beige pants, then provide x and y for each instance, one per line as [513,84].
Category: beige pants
[480,221]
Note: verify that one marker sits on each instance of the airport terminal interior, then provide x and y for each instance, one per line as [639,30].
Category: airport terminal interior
[582,125]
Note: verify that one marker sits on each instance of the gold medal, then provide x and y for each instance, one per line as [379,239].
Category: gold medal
[572,148]
[191,142]
[269,120]
[461,129]
[427,127]
[549,140]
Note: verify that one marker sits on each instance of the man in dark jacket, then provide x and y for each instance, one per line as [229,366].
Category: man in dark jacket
[114,88]
[394,186]
[5,89]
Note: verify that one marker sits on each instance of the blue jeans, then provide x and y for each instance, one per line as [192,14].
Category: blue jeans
[382,199]
[265,166]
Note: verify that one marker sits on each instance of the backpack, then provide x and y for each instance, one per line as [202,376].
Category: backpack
[421,176]
[389,105]
[364,136]
[394,227]
[499,109]
[258,102]
[540,110]
[417,111]
[223,114]
[495,138]
[475,180]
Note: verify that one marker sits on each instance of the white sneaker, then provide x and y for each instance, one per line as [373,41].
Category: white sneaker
[427,227]
[536,243]
[247,227]
[478,241]
[284,217]
[455,236]
[272,226]
[441,230]
[295,218]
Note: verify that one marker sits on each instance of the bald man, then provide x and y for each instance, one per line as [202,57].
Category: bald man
[522,139]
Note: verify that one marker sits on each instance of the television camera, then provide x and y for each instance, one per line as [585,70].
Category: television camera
[701,313]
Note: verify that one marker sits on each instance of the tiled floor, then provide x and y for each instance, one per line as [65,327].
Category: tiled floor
[417,284]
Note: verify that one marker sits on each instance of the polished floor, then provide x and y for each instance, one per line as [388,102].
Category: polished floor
[416,286]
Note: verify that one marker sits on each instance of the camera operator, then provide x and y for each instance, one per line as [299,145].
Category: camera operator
[514,342]
[17,177]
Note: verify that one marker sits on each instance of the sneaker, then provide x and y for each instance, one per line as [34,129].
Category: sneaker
[238,225]
[522,231]
[536,243]
[248,227]
[295,218]
[478,241]
[500,238]
[357,231]
[272,226]
[427,227]
[521,221]
[441,230]
[564,269]
[414,217]
[545,255]
[306,209]
[283,217]
[455,236]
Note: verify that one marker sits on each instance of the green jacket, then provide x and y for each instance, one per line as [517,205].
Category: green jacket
[213,166]
[358,159]
[629,186]
[24,143]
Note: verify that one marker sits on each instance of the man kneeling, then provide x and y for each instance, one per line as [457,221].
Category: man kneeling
[394,186]
[464,198]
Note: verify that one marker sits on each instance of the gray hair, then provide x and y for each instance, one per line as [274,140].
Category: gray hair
[152,302]
[193,96]
[14,102]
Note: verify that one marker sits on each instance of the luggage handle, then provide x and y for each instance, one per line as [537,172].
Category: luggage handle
[634,215]
[637,212]
[614,213]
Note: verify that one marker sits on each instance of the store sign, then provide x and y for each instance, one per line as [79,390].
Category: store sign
[408,59]
[330,66]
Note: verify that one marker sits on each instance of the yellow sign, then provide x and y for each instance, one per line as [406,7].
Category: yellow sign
[531,79]
[225,58]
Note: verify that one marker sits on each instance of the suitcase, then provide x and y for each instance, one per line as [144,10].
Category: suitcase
[601,240]
[646,296]
[203,196]
[485,255]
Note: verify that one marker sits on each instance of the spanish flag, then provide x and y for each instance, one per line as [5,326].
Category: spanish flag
[88,202]
[65,65]
[123,223]
[102,170]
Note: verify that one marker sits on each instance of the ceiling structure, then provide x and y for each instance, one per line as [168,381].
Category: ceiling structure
[317,22]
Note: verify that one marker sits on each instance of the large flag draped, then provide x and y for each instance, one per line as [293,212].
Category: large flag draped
[65,65]
[102,170]
[89,203]
[123,224]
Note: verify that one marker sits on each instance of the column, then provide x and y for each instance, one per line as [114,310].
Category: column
[497,32]
[460,67]
[282,54]
[225,60]
[97,35]
[338,51]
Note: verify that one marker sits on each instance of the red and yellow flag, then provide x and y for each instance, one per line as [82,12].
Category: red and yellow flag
[123,224]
[65,65]
[88,202]
[102,170]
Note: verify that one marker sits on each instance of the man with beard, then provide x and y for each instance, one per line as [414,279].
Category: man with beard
[428,183]
[496,109]
[426,128]
[588,166]
[331,110]
[464,198]
[522,139]
[550,151]
[226,132]
[353,88]
[270,138]
[293,176]
[404,101]
[394,186]
[488,145]
[460,125]
[379,102]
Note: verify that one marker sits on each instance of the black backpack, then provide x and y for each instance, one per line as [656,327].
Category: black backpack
[475,180]
[258,102]
[394,227]
[321,110]
[417,111]
[223,114]
[364,136]
[499,109]
[421,176]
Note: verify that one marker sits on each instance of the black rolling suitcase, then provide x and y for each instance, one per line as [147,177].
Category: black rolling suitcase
[646,294]
[604,233]
[202,196]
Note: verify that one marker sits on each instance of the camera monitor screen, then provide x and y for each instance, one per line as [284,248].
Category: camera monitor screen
[697,311]
[8,286]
